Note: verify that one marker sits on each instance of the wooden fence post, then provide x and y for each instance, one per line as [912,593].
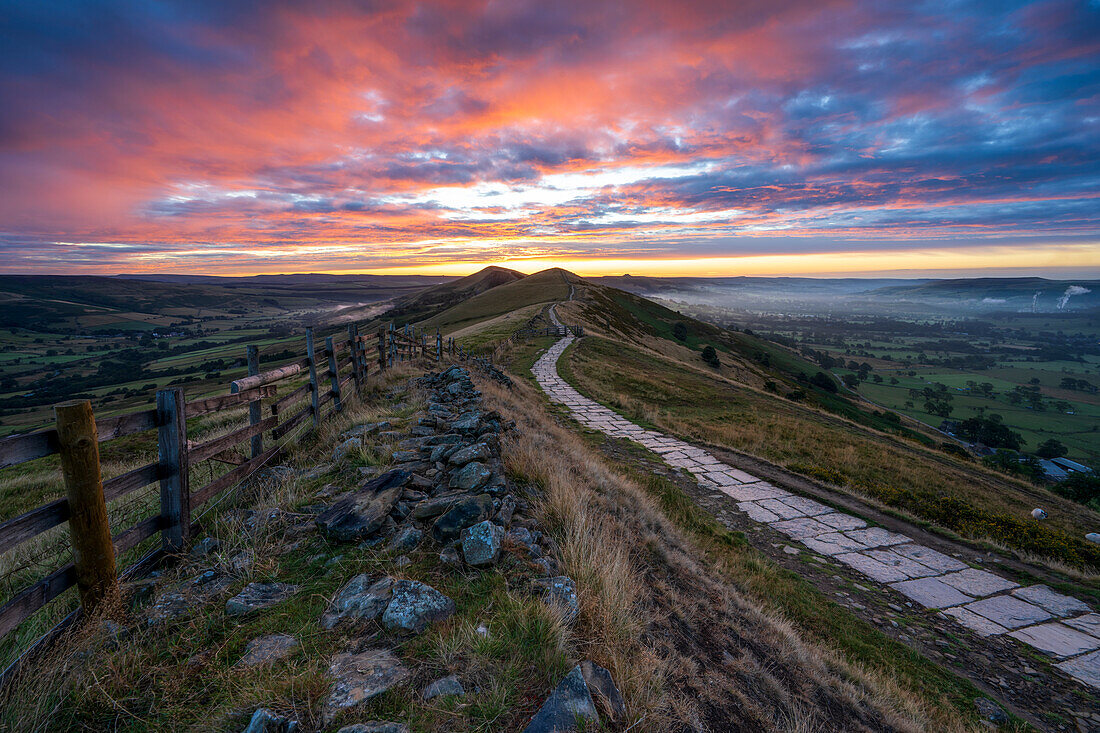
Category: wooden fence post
[255,409]
[175,492]
[334,374]
[353,345]
[382,348]
[438,346]
[93,551]
[314,390]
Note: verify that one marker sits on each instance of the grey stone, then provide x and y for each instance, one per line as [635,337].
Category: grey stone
[258,596]
[1056,603]
[408,538]
[929,558]
[241,562]
[1089,623]
[450,556]
[267,650]
[168,607]
[204,547]
[402,562]
[346,448]
[360,600]
[438,504]
[507,509]
[1085,668]
[977,582]
[265,721]
[360,677]
[466,423]
[463,514]
[560,593]
[978,624]
[475,452]
[375,726]
[367,429]
[481,543]
[472,476]
[569,702]
[414,605]
[1012,613]
[990,711]
[362,513]
[443,687]
[1057,640]
[405,456]
[931,593]
[603,691]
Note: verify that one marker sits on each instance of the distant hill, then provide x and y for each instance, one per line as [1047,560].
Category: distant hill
[426,303]
[643,285]
[1015,293]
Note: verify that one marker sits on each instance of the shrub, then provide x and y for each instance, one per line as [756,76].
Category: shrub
[1080,487]
[710,356]
[680,331]
[955,449]
[1051,449]
[824,381]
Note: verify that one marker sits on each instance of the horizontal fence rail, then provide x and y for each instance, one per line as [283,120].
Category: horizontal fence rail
[332,370]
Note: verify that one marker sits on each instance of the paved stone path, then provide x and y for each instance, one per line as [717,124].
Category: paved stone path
[1057,625]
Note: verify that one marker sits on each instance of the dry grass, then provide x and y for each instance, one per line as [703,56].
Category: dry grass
[689,649]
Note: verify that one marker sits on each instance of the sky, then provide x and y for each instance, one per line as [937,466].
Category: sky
[651,137]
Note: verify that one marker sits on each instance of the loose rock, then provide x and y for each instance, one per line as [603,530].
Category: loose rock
[265,721]
[268,650]
[414,605]
[363,513]
[257,596]
[481,543]
[359,677]
[462,515]
[569,702]
[444,686]
[359,600]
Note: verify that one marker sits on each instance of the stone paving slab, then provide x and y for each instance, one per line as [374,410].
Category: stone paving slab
[929,558]
[978,582]
[911,568]
[1052,601]
[801,528]
[978,624]
[756,512]
[1057,640]
[1012,613]
[872,568]
[1084,669]
[808,507]
[1089,623]
[931,593]
[832,543]
[781,509]
[841,521]
[876,537]
[750,492]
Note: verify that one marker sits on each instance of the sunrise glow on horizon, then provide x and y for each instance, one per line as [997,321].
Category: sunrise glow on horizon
[683,138]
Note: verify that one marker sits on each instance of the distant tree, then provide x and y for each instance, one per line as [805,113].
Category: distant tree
[938,407]
[710,356]
[1051,449]
[877,378]
[990,431]
[893,380]
[823,381]
[771,386]
[680,331]
[851,380]
[1080,487]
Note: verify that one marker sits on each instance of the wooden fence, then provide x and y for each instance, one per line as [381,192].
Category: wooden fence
[336,369]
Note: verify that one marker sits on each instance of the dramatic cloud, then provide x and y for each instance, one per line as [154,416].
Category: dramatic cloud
[252,136]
